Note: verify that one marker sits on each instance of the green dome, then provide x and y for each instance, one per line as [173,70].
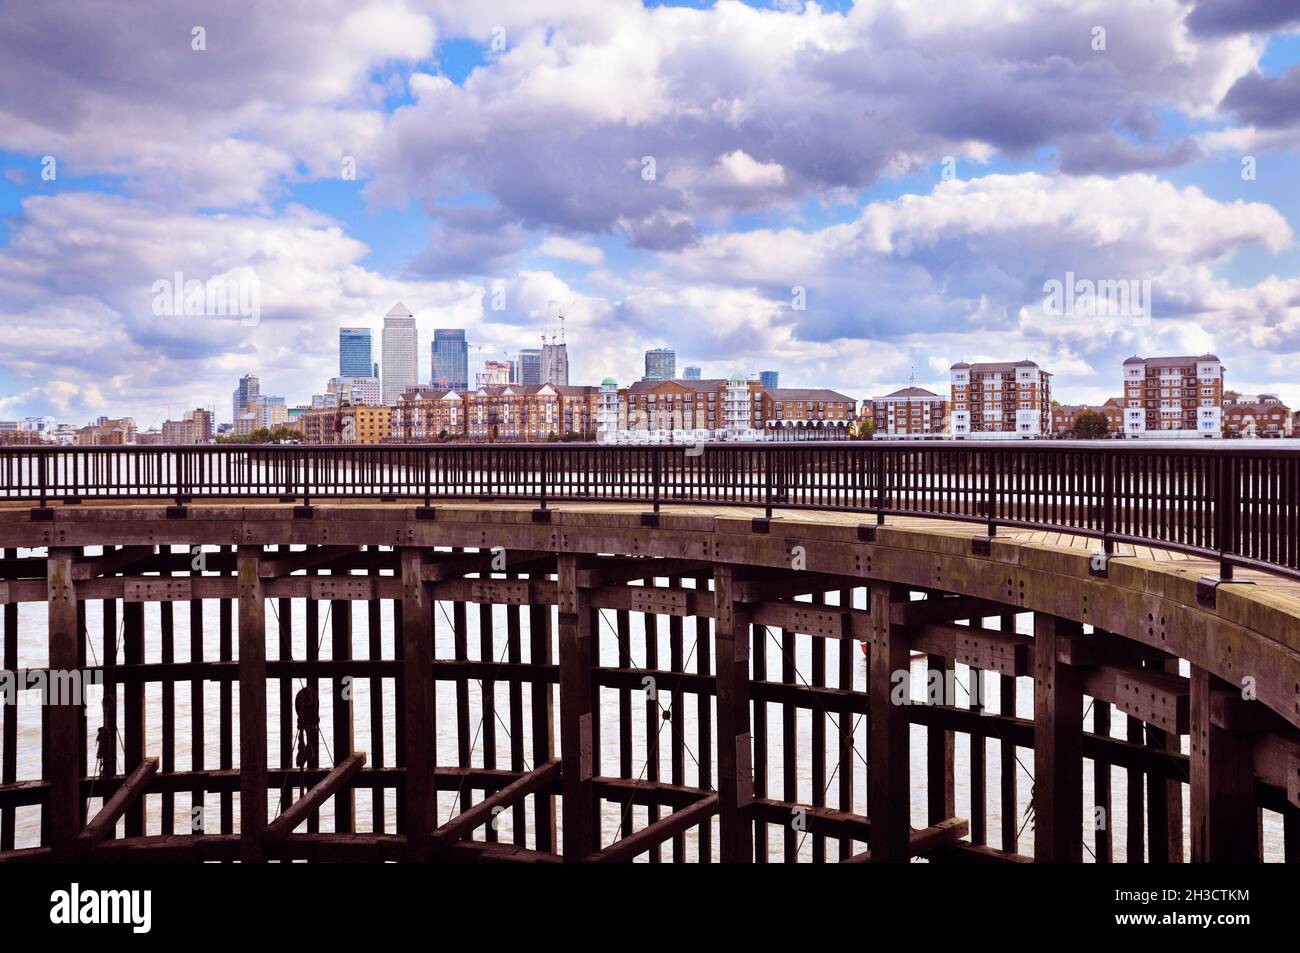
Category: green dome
[737,378]
[609,382]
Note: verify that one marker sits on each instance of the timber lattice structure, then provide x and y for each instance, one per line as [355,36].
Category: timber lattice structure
[1152,583]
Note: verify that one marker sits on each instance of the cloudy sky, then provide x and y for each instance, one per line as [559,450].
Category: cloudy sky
[842,192]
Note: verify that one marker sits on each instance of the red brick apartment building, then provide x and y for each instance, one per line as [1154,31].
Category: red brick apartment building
[802,413]
[909,412]
[1001,400]
[1260,416]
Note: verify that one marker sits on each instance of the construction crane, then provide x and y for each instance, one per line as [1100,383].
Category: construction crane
[560,314]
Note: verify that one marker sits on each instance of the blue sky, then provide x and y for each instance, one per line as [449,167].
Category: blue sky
[670,174]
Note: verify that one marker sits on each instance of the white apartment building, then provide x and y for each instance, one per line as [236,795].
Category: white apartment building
[1173,397]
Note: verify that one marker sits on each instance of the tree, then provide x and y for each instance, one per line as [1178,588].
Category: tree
[280,434]
[1090,425]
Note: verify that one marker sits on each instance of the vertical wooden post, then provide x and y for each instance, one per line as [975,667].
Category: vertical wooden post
[252,705]
[488,733]
[576,701]
[1164,796]
[889,784]
[62,719]
[704,719]
[818,679]
[9,729]
[540,652]
[1101,797]
[374,632]
[1058,746]
[133,709]
[650,627]
[978,765]
[9,734]
[1010,800]
[940,749]
[758,673]
[1223,808]
[198,818]
[735,748]
[344,743]
[789,743]
[167,655]
[515,694]
[417,711]
[848,650]
[226,741]
[460,647]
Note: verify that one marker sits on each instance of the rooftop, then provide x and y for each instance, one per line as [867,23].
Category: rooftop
[910,392]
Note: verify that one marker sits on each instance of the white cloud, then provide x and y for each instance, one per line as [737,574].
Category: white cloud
[556,246]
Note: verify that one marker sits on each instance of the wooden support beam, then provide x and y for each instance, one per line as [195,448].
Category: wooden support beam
[1058,746]
[731,646]
[309,803]
[1105,648]
[624,850]
[1156,697]
[1231,712]
[944,609]
[807,618]
[1223,807]
[1007,653]
[673,601]
[577,701]
[287,563]
[466,822]
[445,567]
[110,562]
[761,585]
[62,720]
[417,700]
[815,820]
[128,792]
[938,836]
[889,783]
[617,571]
[252,706]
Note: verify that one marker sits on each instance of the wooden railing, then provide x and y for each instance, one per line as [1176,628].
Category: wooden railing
[1240,505]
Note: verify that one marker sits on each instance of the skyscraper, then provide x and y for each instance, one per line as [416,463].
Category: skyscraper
[660,364]
[249,387]
[530,366]
[555,363]
[450,364]
[355,352]
[400,352]
[692,373]
[769,379]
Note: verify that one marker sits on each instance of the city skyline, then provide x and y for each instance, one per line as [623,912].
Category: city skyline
[1149,151]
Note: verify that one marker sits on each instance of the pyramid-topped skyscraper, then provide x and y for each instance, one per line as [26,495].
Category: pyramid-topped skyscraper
[400,353]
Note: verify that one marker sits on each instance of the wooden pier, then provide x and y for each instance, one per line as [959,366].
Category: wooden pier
[786,633]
